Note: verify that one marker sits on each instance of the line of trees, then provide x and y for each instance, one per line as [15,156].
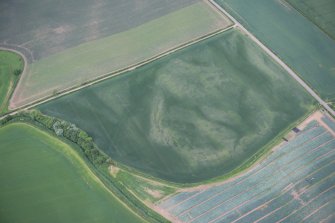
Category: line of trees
[64,129]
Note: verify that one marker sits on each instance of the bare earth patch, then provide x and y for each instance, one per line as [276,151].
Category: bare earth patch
[113,170]
[153,193]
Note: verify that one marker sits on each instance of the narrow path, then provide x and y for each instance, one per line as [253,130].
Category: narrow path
[276,58]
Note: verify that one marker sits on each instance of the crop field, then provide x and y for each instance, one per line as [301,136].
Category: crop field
[44,180]
[321,13]
[67,49]
[193,115]
[296,183]
[297,41]
[50,27]
[10,63]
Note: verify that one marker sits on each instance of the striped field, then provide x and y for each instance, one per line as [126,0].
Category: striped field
[295,183]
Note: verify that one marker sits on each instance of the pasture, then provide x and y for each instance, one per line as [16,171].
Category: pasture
[296,183]
[127,37]
[292,37]
[44,180]
[11,66]
[321,13]
[196,114]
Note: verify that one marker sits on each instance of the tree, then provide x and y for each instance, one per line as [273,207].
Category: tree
[17,72]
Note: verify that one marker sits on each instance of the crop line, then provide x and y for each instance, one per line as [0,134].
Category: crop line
[302,166]
[282,206]
[328,218]
[117,72]
[221,203]
[262,192]
[220,192]
[179,203]
[282,193]
[277,59]
[313,212]
[310,201]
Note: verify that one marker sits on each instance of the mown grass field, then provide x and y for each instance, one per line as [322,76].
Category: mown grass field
[10,63]
[79,64]
[292,37]
[44,180]
[196,114]
[296,183]
[321,12]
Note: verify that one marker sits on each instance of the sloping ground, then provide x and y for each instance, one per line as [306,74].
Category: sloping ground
[297,41]
[75,65]
[193,115]
[43,180]
[321,12]
[295,183]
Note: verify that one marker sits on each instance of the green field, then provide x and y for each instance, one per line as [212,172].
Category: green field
[193,115]
[77,65]
[320,12]
[44,180]
[11,66]
[292,37]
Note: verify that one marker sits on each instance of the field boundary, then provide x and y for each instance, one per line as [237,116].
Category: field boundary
[250,163]
[276,59]
[115,73]
[316,116]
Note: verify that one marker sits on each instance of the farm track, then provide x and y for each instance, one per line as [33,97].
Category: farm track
[108,75]
[276,58]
